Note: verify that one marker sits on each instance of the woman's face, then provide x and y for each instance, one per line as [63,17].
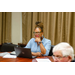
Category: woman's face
[38,33]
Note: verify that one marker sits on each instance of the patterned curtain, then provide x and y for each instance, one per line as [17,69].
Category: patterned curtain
[5,27]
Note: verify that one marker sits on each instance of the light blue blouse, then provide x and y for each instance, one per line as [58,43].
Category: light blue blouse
[36,48]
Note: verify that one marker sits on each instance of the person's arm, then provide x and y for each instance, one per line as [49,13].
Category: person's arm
[43,50]
[37,54]
[47,47]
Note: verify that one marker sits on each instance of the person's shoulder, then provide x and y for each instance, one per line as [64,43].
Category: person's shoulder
[32,39]
[47,39]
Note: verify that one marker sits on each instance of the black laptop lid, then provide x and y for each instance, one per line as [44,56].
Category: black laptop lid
[23,52]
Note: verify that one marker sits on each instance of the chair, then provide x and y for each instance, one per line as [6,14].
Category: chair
[0,47]
[51,53]
[7,47]
[21,44]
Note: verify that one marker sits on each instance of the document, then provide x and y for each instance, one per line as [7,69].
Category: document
[42,60]
[4,53]
[9,56]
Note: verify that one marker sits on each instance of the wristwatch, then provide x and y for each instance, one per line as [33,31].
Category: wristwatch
[39,42]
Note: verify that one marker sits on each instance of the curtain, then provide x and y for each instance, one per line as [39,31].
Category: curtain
[5,27]
[58,26]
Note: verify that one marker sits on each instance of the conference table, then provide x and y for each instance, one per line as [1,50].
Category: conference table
[21,59]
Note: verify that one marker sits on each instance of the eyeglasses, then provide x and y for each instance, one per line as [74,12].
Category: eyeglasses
[36,32]
[58,57]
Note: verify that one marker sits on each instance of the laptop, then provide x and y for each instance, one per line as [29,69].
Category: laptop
[23,52]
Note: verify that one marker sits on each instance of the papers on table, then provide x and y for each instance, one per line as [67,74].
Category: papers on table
[9,56]
[4,53]
[42,60]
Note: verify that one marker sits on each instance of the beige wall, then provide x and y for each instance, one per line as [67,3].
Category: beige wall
[16,27]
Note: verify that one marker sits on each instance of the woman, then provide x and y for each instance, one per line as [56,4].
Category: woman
[39,45]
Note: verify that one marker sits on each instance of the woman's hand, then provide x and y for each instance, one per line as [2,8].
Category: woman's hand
[37,39]
[37,54]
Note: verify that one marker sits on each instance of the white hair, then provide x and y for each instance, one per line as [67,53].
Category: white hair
[65,48]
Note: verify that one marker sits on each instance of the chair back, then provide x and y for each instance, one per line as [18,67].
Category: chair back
[51,53]
[7,47]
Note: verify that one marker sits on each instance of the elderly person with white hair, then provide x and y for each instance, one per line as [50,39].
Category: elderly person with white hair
[63,52]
